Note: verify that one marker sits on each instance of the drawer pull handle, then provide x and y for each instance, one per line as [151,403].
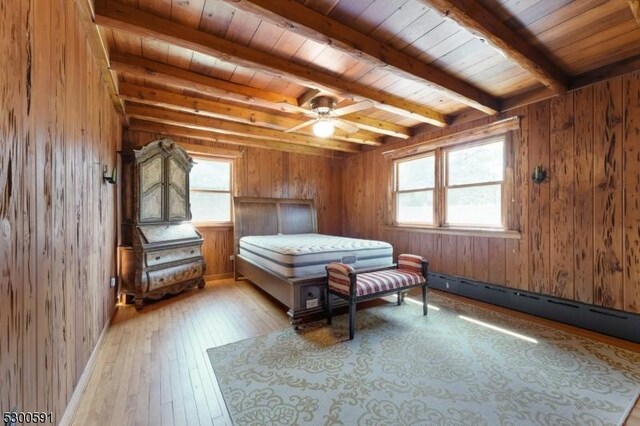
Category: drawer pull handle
[157,257]
[193,251]
[161,280]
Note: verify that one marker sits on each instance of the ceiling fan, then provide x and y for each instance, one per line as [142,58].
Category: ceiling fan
[326,116]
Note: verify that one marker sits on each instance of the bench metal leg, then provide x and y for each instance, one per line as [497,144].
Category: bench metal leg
[399,298]
[329,308]
[352,319]
[424,299]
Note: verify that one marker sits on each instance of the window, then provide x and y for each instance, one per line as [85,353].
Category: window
[210,187]
[460,186]
[415,184]
[473,184]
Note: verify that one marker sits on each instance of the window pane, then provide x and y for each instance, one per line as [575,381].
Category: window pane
[211,206]
[415,207]
[416,174]
[475,205]
[477,164]
[207,174]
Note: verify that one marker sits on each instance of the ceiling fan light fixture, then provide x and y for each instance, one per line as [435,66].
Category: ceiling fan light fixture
[323,128]
[322,104]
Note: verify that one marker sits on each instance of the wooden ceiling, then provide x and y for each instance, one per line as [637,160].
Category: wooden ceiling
[243,71]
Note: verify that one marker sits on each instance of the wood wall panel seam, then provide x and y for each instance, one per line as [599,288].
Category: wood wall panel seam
[631,201]
[584,191]
[608,244]
[539,201]
[562,196]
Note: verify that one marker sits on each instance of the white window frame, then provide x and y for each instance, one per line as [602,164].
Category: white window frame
[397,190]
[441,186]
[230,161]
[446,186]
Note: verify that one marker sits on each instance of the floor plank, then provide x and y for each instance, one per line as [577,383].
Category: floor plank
[153,369]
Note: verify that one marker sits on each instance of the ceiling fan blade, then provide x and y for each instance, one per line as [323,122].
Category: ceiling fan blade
[346,126]
[300,126]
[294,109]
[353,108]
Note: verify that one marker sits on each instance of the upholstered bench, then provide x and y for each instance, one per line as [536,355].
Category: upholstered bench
[344,282]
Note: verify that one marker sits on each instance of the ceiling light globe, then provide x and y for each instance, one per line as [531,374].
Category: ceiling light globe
[323,128]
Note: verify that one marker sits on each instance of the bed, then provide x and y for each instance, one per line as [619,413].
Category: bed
[278,249]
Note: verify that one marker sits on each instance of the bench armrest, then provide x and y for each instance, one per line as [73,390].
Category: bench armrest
[340,277]
[413,263]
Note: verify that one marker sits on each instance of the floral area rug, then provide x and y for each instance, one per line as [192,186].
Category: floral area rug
[457,366]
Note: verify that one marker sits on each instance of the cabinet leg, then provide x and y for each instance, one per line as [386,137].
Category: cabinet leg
[201,284]
[139,303]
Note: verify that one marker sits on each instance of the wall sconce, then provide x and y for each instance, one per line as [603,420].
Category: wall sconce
[539,174]
[106,178]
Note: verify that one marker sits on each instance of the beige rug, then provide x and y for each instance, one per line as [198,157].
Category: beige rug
[444,369]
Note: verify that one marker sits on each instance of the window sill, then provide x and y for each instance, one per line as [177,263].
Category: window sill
[216,225]
[468,232]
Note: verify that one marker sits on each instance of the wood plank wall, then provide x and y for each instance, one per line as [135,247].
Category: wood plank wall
[267,173]
[57,218]
[580,228]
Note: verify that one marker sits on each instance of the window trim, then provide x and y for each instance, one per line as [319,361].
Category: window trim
[209,223]
[505,230]
[396,184]
[445,182]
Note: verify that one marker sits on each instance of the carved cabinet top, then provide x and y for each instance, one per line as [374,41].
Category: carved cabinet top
[166,146]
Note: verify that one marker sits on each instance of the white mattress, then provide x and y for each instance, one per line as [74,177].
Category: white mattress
[301,255]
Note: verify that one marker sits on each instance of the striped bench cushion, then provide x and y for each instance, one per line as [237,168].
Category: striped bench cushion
[392,279]
[372,282]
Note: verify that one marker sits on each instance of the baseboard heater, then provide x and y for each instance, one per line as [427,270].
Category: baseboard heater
[611,322]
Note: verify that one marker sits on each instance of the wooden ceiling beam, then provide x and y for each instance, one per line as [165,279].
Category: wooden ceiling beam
[178,118]
[126,18]
[224,111]
[304,99]
[98,47]
[527,98]
[208,135]
[477,19]
[294,16]
[606,72]
[184,79]
[635,9]
[378,126]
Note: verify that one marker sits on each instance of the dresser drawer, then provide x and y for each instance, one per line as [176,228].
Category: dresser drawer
[174,275]
[165,256]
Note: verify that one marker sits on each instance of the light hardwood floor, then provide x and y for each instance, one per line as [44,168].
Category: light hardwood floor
[152,367]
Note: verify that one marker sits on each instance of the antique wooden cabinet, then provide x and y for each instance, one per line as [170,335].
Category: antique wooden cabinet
[162,250]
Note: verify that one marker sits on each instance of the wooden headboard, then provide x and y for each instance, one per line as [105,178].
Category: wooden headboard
[271,216]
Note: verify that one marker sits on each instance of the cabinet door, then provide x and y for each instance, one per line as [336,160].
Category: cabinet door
[178,194]
[152,189]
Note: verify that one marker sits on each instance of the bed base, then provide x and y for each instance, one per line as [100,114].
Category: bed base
[305,297]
